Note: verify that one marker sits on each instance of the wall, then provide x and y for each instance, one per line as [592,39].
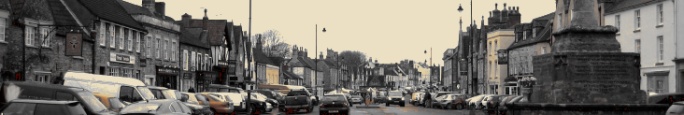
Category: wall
[499,39]
[648,34]
[272,74]
[583,109]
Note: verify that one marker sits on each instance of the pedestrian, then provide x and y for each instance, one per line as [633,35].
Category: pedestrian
[191,90]
[428,99]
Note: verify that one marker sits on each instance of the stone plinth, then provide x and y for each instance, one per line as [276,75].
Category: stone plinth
[587,77]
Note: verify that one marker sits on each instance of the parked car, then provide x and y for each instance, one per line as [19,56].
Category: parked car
[450,101]
[164,93]
[264,103]
[334,104]
[491,101]
[395,97]
[356,99]
[198,103]
[47,107]
[160,106]
[475,102]
[112,103]
[510,100]
[40,91]
[676,108]
[128,90]
[223,88]
[381,97]
[225,104]
[298,99]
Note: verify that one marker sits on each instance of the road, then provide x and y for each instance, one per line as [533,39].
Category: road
[381,109]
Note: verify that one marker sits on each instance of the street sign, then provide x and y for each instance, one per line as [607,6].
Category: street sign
[73,44]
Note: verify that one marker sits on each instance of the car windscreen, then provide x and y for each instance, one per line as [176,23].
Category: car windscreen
[146,93]
[329,98]
[92,102]
[140,108]
[169,94]
[395,93]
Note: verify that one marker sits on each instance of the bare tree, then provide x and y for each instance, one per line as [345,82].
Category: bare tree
[353,58]
[273,44]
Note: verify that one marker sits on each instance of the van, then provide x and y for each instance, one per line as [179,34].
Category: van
[128,90]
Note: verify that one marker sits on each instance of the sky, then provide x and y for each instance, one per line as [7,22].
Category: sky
[386,30]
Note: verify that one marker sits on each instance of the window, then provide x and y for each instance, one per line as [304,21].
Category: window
[30,35]
[185,59]
[660,48]
[3,26]
[129,94]
[148,45]
[138,40]
[45,36]
[136,46]
[208,62]
[129,39]
[192,60]
[112,40]
[637,19]
[560,21]
[102,36]
[617,21]
[158,44]
[659,86]
[659,13]
[50,109]
[637,45]
[120,38]
[19,109]
[113,72]
[166,49]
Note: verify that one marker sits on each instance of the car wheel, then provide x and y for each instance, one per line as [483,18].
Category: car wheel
[387,104]
[449,106]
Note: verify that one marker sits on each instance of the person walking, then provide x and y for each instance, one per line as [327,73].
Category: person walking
[427,100]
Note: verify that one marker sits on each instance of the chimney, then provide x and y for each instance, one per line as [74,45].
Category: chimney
[160,7]
[185,20]
[149,4]
[320,56]
[295,52]
[259,43]
[205,20]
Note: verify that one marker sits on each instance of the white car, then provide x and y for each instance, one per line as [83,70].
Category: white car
[476,101]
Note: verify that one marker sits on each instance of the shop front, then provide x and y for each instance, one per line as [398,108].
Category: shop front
[203,79]
[167,77]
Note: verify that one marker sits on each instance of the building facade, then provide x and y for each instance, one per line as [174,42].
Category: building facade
[648,28]
[531,39]
[195,71]
[497,40]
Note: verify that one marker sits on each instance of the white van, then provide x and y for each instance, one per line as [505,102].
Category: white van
[128,90]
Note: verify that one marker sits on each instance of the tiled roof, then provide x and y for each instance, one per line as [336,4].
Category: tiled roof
[110,10]
[195,37]
[290,75]
[216,30]
[139,10]
[544,36]
[62,17]
[260,57]
[622,5]
[331,64]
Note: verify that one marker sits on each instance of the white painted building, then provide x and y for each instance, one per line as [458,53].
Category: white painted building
[647,27]
[679,35]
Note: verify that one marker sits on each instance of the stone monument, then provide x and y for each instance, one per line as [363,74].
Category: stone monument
[586,65]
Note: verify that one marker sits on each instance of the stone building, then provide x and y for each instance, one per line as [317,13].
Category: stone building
[303,66]
[531,39]
[195,71]
[225,48]
[161,58]
[267,71]
[447,72]
[644,29]
[32,31]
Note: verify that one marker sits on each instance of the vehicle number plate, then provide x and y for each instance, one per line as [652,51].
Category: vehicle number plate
[333,111]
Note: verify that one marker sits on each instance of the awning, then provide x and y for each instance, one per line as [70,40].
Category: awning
[658,73]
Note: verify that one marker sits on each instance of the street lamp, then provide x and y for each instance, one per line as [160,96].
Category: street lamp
[316,57]
[460,9]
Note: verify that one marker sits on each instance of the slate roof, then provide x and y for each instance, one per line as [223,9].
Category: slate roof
[277,60]
[195,37]
[331,64]
[543,36]
[622,5]
[112,11]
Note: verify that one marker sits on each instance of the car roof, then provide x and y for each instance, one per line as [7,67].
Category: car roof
[158,101]
[157,87]
[43,101]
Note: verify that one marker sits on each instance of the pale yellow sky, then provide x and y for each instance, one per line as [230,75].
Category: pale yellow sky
[388,30]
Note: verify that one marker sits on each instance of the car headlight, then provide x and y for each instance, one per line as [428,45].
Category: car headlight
[402,98]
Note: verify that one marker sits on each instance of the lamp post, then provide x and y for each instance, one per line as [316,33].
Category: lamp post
[316,58]
[460,9]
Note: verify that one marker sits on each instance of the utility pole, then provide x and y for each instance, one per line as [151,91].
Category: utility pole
[249,92]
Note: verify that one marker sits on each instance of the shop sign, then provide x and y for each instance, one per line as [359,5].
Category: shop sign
[166,70]
[121,58]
